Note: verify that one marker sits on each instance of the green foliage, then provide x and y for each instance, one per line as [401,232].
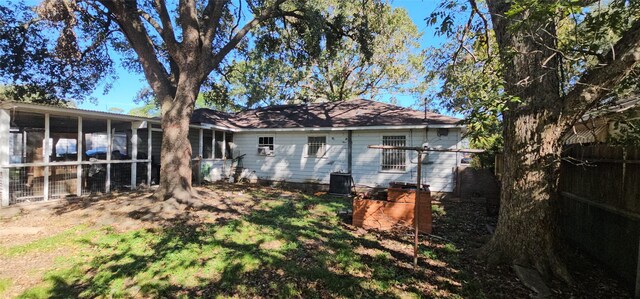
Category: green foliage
[626,128]
[438,211]
[64,47]
[40,70]
[468,74]
[472,86]
[147,110]
[379,55]
[5,283]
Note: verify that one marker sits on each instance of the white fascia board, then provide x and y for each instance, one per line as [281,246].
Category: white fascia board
[212,127]
[74,112]
[346,128]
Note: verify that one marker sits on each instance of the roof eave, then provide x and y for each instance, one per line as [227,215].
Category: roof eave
[351,128]
[30,107]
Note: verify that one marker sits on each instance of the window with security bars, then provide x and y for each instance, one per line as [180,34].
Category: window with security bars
[394,159]
[316,146]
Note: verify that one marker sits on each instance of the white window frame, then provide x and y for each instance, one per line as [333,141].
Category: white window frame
[406,154]
[273,145]
[324,148]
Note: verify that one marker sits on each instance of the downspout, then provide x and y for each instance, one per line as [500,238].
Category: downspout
[350,151]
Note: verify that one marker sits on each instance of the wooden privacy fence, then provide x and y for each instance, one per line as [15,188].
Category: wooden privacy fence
[600,187]
[608,175]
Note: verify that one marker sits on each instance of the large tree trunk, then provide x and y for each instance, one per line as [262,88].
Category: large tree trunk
[176,153]
[527,231]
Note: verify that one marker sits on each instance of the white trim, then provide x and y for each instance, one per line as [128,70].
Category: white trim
[63,111]
[134,154]
[362,128]
[212,127]
[46,157]
[200,143]
[105,115]
[149,152]
[71,163]
[80,151]
[107,187]
[5,124]
[224,145]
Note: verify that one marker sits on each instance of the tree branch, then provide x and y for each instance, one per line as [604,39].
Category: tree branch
[212,15]
[467,27]
[167,33]
[240,34]
[131,25]
[474,7]
[599,81]
[190,25]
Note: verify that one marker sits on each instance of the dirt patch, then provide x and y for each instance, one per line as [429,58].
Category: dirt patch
[8,231]
[26,271]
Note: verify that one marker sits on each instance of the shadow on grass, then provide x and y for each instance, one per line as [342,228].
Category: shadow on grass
[292,246]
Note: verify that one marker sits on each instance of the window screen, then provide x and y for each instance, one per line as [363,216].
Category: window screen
[229,145]
[219,135]
[393,159]
[207,144]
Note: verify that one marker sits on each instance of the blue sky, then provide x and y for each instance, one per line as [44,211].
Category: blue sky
[124,89]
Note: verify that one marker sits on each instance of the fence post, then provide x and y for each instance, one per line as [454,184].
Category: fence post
[637,294]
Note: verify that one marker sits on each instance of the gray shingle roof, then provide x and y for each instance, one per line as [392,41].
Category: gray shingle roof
[353,113]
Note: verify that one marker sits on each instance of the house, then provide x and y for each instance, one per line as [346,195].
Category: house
[90,151]
[610,122]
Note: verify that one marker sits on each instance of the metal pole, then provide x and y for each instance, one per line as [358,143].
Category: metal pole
[416,212]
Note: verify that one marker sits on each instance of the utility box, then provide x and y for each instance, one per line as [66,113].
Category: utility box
[340,183]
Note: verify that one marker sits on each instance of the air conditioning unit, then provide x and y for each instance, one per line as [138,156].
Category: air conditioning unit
[264,151]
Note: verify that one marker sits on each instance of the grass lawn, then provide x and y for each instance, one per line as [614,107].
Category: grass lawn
[247,242]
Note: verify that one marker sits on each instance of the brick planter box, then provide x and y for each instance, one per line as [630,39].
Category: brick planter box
[380,214]
[406,195]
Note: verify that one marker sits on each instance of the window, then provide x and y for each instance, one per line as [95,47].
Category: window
[265,146]
[316,146]
[393,159]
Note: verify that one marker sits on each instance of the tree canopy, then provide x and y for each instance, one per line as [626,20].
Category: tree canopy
[183,49]
[390,62]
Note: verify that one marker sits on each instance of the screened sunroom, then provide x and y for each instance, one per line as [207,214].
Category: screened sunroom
[52,152]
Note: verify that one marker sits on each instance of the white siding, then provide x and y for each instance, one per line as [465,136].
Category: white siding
[438,171]
[289,161]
